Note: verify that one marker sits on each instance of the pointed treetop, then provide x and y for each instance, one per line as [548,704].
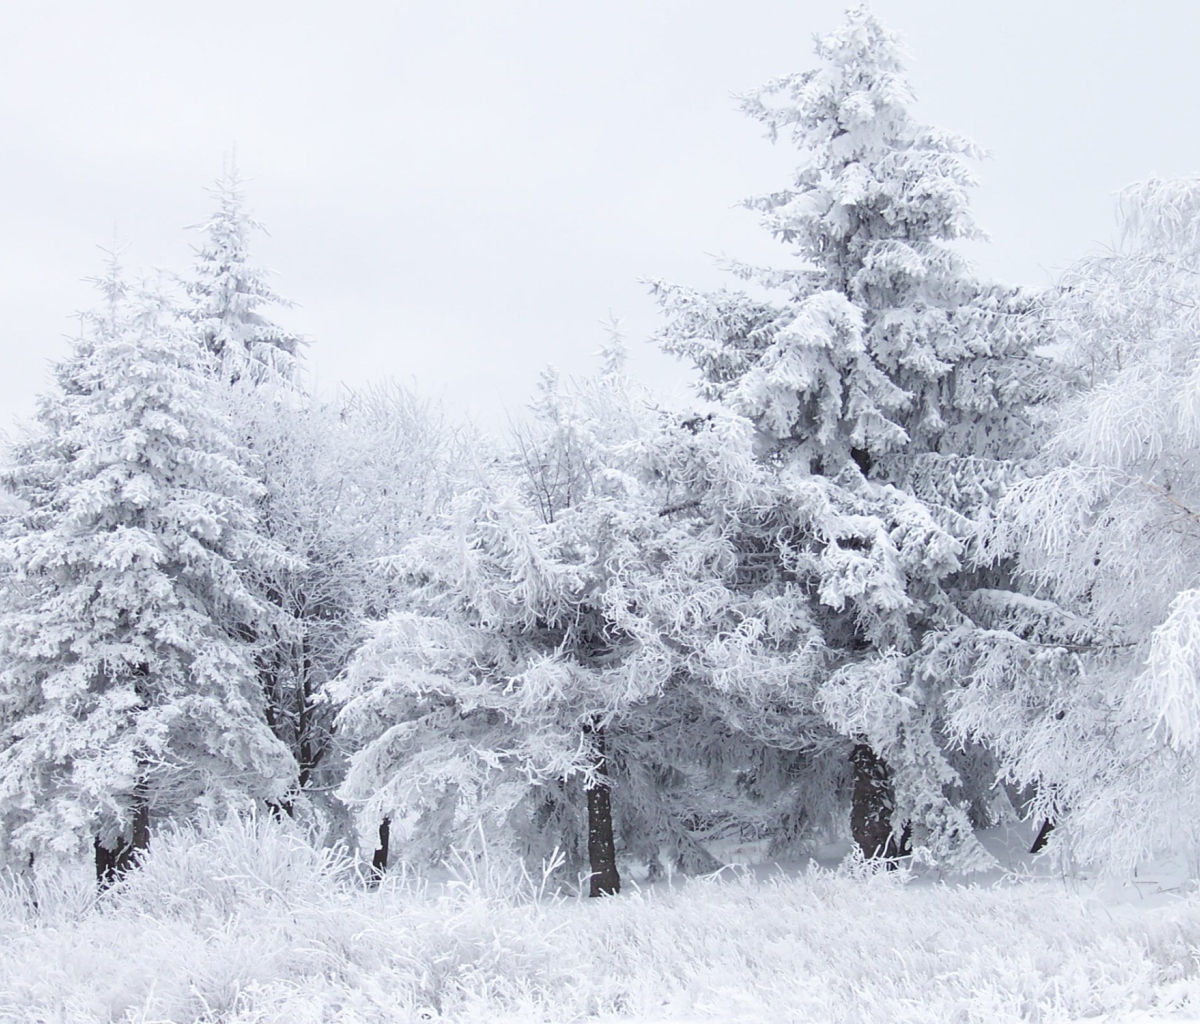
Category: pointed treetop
[885,341]
[228,292]
[870,170]
[112,284]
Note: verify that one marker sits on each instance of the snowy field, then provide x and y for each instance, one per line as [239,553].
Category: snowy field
[250,923]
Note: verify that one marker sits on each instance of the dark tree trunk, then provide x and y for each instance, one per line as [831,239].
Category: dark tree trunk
[140,839]
[1043,837]
[379,861]
[106,862]
[602,850]
[112,864]
[873,803]
[304,725]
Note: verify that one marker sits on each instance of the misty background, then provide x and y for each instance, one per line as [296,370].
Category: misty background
[458,193]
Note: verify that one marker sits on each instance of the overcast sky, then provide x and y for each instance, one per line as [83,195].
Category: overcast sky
[459,191]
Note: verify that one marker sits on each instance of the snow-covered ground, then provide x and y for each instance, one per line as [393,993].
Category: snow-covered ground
[250,923]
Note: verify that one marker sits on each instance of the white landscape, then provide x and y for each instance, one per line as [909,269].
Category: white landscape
[253,924]
[861,684]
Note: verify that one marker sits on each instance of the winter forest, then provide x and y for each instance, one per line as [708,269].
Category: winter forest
[865,686]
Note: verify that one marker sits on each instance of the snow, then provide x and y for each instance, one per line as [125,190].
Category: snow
[248,921]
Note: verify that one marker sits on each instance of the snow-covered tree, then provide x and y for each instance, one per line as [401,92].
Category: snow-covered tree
[344,486]
[482,701]
[341,484]
[227,293]
[291,451]
[557,678]
[889,390]
[1089,690]
[128,693]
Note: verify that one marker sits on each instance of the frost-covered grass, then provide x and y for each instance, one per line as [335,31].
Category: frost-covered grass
[250,923]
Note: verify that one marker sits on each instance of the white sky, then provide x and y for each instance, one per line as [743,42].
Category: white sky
[458,191]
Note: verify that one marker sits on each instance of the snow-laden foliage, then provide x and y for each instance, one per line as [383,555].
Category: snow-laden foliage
[343,487]
[342,484]
[889,390]
[577,619]
[1094,694]
[481,705]
[884,341]
[127,682]
[871,578]
[227,293]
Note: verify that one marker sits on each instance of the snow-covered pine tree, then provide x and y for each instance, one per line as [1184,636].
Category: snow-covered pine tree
[227,293]
[557,677]
[341,484]
[1090,691]
[288,446]
[128,694]
[483,703]
[890,390]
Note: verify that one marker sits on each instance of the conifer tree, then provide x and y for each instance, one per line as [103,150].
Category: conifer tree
[127,680]
[287,448]
[485,699]
[556,678]
[890,391]
[227,293]
[340,485]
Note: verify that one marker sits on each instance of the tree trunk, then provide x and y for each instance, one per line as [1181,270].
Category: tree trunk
[873,803]
[106,863]
[112,864]
[140,839]
[306,758]
[1043,837]
[602,851]
[379,861]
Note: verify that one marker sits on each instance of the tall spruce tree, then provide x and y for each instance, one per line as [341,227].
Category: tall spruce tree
[127,678]
[340,485]
[890,392]
[228,298]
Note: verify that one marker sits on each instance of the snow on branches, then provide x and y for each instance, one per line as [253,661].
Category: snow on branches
[891,395]
[1105,714]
